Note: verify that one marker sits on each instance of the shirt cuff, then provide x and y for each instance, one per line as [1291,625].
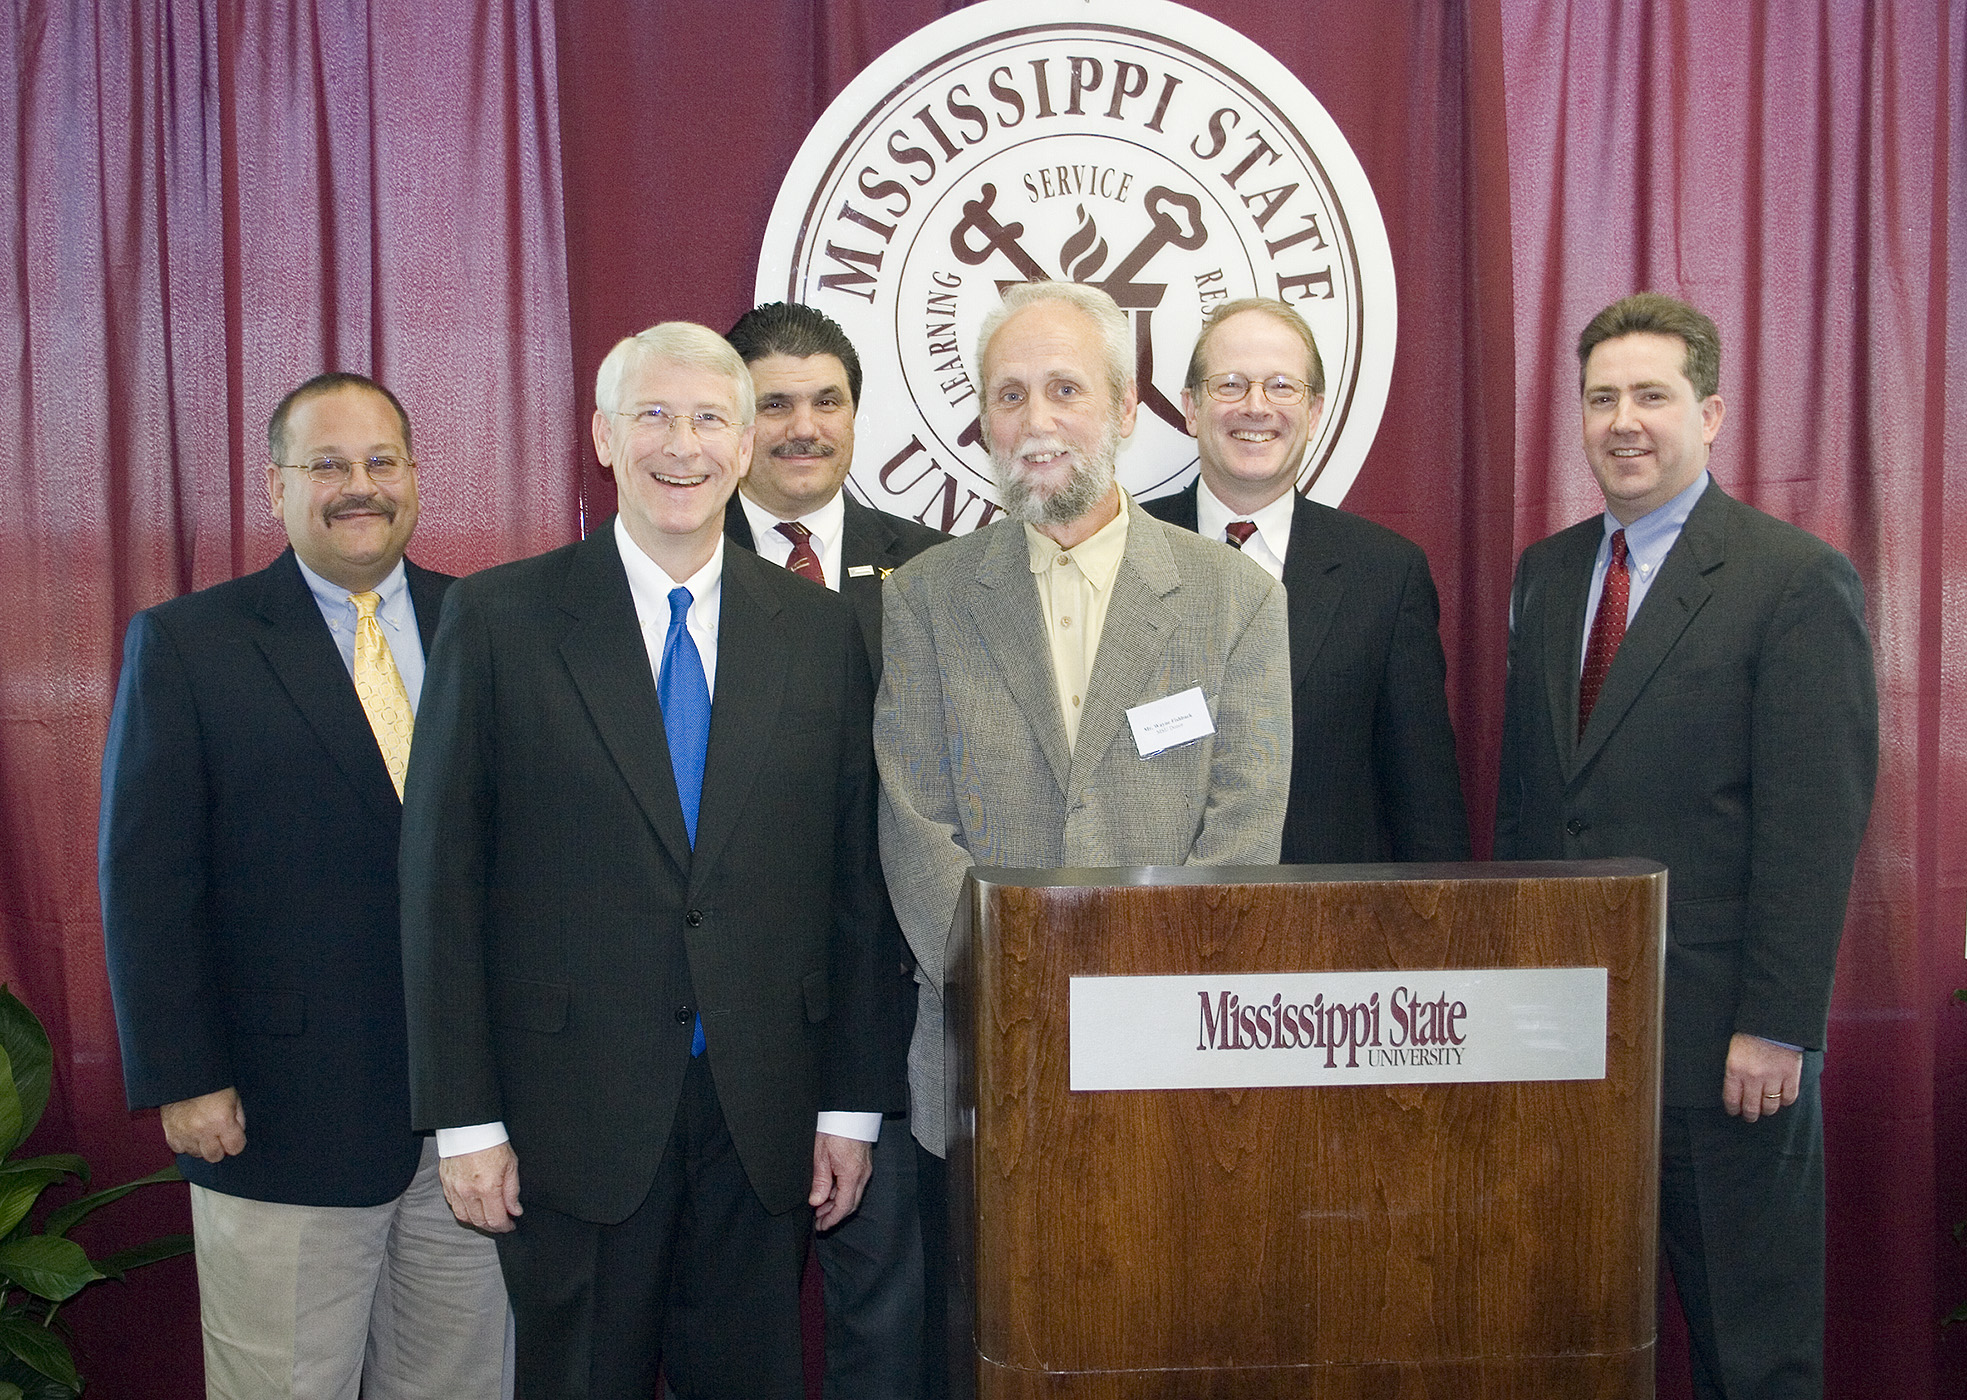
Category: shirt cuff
[455,1142]
[864,1127]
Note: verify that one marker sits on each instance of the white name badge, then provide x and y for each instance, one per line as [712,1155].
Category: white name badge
[1171,721]
[1261,1030]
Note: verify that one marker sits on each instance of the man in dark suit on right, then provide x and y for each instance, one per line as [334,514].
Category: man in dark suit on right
[1373,774]
[1691,681]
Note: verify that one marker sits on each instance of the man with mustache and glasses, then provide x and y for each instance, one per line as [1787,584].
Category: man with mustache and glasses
[791,510]
[1013,656]
[252,797]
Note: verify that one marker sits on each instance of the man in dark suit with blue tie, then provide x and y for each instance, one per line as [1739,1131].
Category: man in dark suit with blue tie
[791,508]
[645,933]
[1691,681]
[1373,773]
[251,804]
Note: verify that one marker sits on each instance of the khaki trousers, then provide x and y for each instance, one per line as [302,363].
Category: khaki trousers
[390,1302]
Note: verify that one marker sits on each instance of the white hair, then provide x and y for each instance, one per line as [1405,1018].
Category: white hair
[685,342]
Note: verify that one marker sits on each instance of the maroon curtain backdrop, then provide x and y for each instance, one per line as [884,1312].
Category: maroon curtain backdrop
[205,205]
[207,202]
[1793,169]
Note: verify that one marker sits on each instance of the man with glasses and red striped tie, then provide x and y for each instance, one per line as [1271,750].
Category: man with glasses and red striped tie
[1691,681]
[252,795]
[1373,774]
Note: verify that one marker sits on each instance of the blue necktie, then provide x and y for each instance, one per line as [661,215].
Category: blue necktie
[684,695]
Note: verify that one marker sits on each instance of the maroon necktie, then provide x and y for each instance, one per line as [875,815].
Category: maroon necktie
[1608,629]
[1239,531]
[804,561]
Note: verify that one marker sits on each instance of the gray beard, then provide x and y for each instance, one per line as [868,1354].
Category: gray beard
[1091,480]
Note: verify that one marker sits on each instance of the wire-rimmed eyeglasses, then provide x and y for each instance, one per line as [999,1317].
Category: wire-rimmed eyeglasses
[1280,389]
[385,469]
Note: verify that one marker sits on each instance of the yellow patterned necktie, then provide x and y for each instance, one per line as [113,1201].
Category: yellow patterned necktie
[380,685]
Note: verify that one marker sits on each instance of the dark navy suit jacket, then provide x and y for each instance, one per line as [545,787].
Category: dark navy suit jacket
[1735,741]
[561,932]
[1373,774]
[248,870]
[871,537]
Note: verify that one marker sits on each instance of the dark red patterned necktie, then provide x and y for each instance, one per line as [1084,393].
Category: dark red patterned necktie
[804,561]
[1239,531]
[1608,629]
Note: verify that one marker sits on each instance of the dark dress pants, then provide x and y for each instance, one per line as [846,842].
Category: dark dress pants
[592,1301]
[1742,1223]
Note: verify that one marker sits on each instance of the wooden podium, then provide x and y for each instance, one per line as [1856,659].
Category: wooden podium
[1396,1240]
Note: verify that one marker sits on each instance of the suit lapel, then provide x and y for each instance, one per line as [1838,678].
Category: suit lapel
[737,525]
[746,704]
[1181,508]
[426,601]
[301,651]
[611,668]
[1138,625]
[866,538]
[1003,602]
[1672,602]
[1567,584]
[1314,583]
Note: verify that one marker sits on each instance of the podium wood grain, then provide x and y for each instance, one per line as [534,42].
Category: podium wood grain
[1465,1240]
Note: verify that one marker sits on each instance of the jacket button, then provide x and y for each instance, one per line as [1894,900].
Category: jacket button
[684,1016]
[1574,827]
[694,918]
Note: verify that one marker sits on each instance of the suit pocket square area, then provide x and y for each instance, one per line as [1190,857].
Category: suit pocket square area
[530,1006]
[1693,921]
[256,1011]
[818,997]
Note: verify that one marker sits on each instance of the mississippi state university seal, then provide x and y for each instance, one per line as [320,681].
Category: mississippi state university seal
[1134,145]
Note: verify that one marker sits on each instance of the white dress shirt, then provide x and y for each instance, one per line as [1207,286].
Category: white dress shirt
[828,524]
[1273,537]
[650,588]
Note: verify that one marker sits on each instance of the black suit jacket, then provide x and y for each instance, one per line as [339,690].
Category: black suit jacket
[560,934]
[1373,774]
[869,537]
[248,869]
[1735,740]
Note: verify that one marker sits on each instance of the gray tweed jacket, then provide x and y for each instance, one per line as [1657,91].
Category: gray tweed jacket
[972,749]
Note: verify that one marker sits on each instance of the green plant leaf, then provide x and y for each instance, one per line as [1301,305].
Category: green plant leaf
[31,1058]
[9,1391]
[48,1268]
[124,1260]
[60,1221]
[19,1192]
[10,1112]
[31,1384]
[40,1347]
[67,1162]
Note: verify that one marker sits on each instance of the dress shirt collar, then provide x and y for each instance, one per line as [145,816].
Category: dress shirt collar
[1273,537]
[649,586]
[392,591]
[1097,556]
[828,524]
[1649,538]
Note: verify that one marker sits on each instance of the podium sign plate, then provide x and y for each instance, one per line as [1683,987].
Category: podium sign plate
[1450,1026]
